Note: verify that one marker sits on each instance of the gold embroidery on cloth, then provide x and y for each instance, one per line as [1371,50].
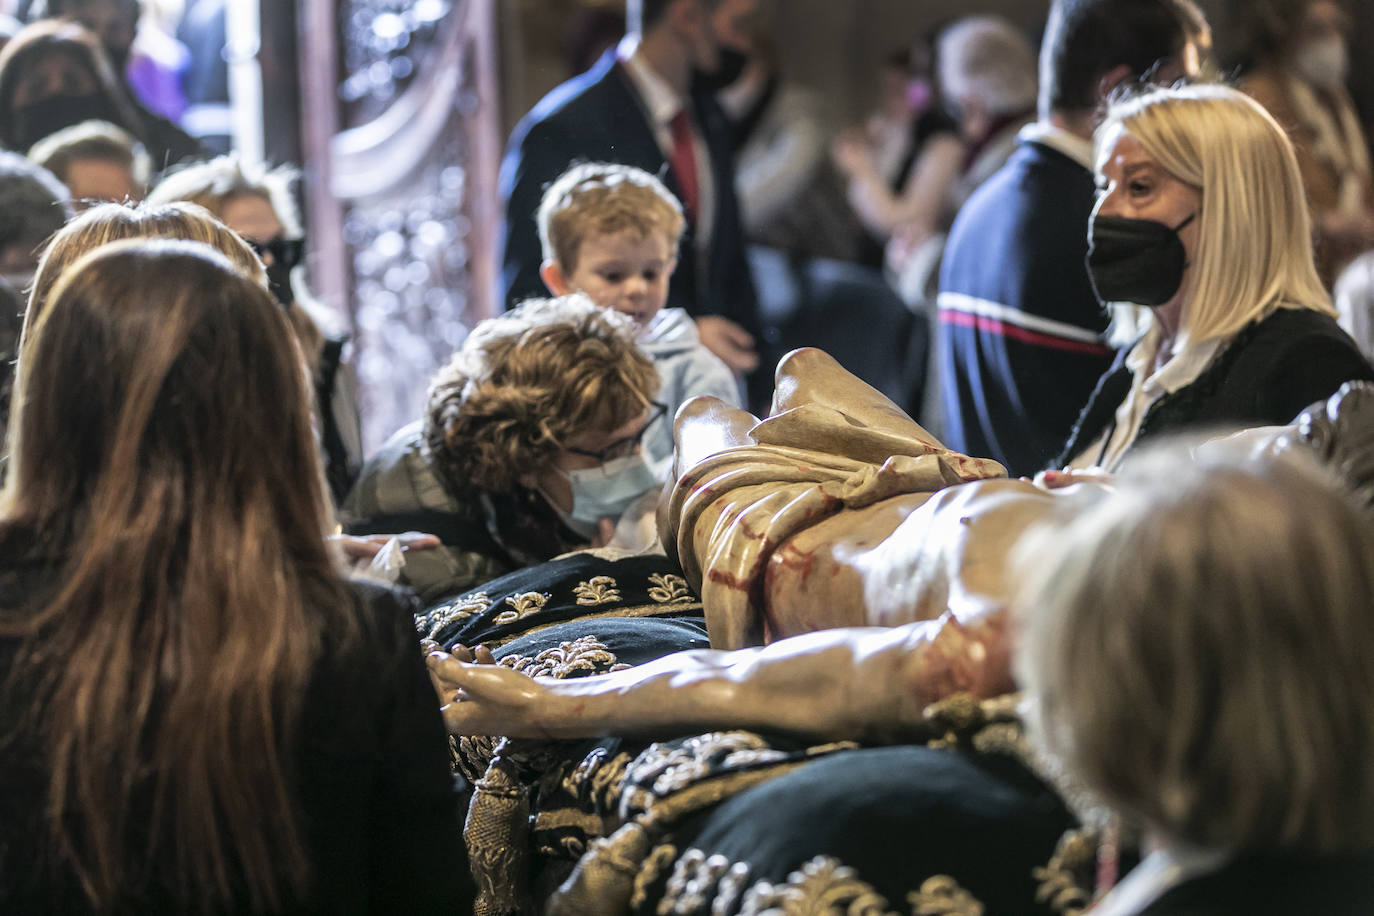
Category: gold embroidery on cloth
[661,856]
[598,778]
[597,590]
[671,769]
[731,888]
[682,779]
[522,606]
[586,653]
[497,837]
[821,886]
[471,754]
[602,881]
[1058,886]
[667,588]
[693,883]
[942,896]
[431,622]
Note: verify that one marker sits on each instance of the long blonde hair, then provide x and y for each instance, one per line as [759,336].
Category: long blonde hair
[164,460]
[1254,251]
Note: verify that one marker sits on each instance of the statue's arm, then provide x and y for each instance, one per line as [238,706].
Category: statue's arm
[862,683]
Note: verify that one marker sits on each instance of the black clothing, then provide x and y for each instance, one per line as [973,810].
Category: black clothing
[1331,886]
[378,804]
[599,117]
[1272,370]
[1019,343]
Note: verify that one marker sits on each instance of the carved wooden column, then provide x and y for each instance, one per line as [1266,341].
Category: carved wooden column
[402,145]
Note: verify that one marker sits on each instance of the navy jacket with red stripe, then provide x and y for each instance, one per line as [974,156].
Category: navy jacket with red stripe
[1020,340]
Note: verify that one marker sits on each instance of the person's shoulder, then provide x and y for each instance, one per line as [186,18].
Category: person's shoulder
[1341,885]
[1035,184]
[404,445]
[1301,327]
[384,619]
[1305,337]
[389,474]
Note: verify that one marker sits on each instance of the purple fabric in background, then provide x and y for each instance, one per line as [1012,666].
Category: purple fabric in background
[155,71]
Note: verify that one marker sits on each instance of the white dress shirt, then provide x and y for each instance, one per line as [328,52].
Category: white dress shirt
[661,104]
[1186,362]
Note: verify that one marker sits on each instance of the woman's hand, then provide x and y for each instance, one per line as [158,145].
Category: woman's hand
[354,548]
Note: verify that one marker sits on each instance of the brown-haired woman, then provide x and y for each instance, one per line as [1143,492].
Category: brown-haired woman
[198,714]
[105,223]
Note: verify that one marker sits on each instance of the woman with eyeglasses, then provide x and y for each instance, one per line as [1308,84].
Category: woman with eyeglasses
[529,447]
[258,205]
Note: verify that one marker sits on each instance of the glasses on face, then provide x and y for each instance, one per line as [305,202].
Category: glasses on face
[286,252]
[626,445]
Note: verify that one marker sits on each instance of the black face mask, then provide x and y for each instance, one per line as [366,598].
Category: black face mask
[42,119]
[730,66]
[279,282]
[1135,260]
[286,254]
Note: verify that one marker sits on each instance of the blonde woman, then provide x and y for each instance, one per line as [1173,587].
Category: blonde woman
[1195,649]
[257,204]
[1201,242]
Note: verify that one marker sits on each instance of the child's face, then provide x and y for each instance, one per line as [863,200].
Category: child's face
[625,272]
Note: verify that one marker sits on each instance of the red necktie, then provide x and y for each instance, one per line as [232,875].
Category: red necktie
[684,162]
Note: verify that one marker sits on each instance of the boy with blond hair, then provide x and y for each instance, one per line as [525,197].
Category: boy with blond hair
[611,231]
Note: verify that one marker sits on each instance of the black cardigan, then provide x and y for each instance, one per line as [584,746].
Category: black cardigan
[379,808]
[1271,371]
[1341,885]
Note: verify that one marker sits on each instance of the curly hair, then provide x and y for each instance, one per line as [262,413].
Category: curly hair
[525,382]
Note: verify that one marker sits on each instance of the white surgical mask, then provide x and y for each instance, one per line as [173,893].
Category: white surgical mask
[1324,63]
[607,491]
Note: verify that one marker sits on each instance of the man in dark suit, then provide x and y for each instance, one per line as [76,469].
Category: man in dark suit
[649,103]
[1021,335]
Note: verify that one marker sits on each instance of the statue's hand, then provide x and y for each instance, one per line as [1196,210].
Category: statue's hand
[487,699]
